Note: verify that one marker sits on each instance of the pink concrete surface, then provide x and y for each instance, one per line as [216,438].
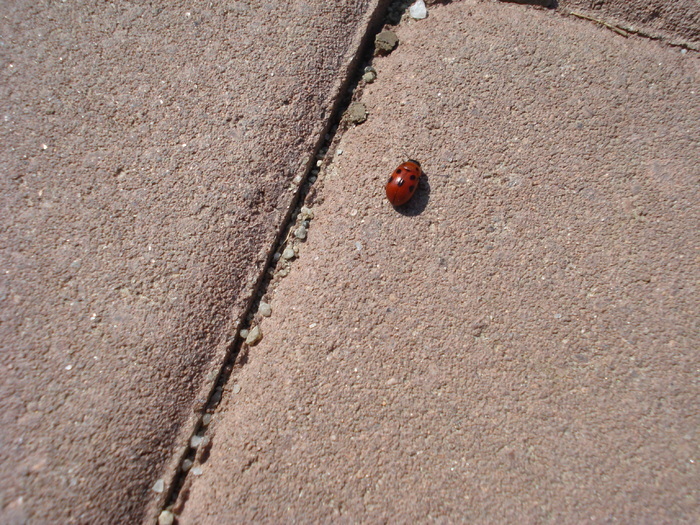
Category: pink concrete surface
[151,153]
[517,345]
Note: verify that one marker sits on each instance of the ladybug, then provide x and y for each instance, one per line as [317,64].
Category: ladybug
[403,182]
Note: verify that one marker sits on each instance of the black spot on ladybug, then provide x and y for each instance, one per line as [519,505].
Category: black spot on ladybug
[410,188]
[399,182]
[398,171]
[413,177]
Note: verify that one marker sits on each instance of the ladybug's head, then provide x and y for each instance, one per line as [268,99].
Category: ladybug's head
[414,162]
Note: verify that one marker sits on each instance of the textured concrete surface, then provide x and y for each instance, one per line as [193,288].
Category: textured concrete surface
[149,159]
[520,343]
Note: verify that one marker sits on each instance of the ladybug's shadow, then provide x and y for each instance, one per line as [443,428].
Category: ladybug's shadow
[419,201]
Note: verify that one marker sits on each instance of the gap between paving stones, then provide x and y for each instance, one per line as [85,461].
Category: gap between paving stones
[622,27]
[196,451]
[625,29]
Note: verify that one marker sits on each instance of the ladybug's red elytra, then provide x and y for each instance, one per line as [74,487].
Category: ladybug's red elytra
[403,182]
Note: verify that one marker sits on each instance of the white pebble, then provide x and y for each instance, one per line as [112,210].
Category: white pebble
[244,333]
[300,233]
[166,518]
[195,441]
[418,10]
[197,471]
[306,213]
[236,388]
[288,253]
[265,310]
[206,419]
[186,465]
[158,486]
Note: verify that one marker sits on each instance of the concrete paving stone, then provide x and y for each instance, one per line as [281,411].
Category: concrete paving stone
[519,344]
[149,158]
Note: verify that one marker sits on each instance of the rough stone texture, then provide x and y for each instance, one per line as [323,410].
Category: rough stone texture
[677,22]
[149,151]
[520,343]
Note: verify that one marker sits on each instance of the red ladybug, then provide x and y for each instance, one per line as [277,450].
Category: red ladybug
[403,182]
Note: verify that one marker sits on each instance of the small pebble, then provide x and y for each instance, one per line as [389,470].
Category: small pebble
[300,233]
[158,486]
[357,113]
[284,272]
[369,76]
[306,213]
[195,441]
[339,152]
[312,179]
[206,419]
[265,310]
[418,10]
[254,336]
[197,471]
[297,180]
[166,518]
[186,465]
[385,42]
[276,256]
[288,253]
[244,333]
[236,388]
